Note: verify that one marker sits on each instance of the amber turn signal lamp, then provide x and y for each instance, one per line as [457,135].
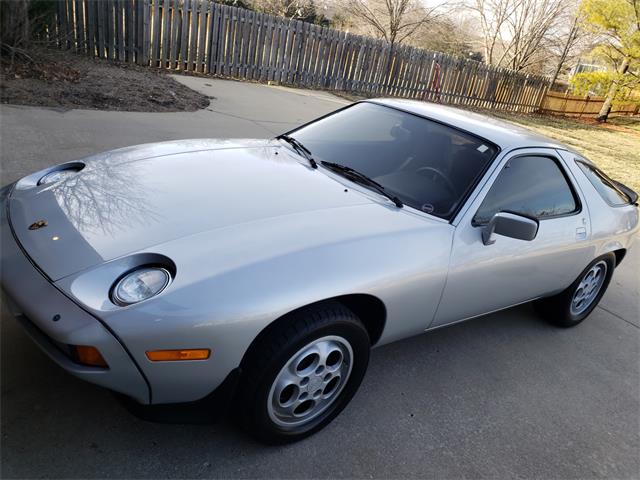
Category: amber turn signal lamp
[175,355]
[87,355]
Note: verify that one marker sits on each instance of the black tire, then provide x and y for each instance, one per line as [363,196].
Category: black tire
[557,309]
[277,347]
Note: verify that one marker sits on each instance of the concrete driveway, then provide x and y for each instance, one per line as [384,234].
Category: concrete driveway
[502,396]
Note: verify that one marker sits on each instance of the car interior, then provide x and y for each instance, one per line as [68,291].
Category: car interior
[429,166]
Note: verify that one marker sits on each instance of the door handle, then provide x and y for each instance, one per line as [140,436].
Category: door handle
[581,233]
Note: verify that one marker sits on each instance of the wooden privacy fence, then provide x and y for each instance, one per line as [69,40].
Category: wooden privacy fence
[578,106]
[206,37]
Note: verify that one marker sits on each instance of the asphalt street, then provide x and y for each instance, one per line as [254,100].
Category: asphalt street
[502,396]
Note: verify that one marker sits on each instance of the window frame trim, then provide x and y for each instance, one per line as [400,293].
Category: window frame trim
[589,165]
[563,169]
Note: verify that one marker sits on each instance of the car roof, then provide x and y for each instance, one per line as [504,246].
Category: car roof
[503,134]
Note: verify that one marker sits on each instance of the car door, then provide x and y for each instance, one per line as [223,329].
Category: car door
[485,278]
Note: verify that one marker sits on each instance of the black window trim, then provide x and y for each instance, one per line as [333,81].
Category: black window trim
[472,187]
[614,184]
[566,176]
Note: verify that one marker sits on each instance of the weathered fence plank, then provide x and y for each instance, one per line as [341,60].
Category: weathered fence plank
[91,28]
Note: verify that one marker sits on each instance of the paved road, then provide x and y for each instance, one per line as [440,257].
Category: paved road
[502,396]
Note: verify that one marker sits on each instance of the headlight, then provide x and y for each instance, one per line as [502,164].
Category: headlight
[58,175]
[140,285]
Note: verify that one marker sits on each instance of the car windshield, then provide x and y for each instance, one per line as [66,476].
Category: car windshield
[425,164]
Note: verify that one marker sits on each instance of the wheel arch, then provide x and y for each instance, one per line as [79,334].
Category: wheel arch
[616,248]
[371,311]
[620,254]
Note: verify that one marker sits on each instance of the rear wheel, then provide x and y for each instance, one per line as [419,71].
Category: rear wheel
[573,305]
[302,373]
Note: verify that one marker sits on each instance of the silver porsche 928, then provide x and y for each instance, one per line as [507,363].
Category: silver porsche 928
[198,273]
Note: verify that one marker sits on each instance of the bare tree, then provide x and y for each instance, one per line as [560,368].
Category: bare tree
[456,35]
[493,15]
[394,20]
[515,32]
[531,25]
[569,44]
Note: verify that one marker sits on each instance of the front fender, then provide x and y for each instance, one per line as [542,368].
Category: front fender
[233,282]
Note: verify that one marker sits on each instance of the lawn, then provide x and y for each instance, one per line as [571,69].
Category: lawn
[614,147]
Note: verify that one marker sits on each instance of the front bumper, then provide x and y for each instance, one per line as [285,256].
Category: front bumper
[35,302]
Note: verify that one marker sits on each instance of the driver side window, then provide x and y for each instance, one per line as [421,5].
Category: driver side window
[529,185]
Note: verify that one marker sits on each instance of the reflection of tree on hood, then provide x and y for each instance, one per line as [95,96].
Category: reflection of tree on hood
[104,197]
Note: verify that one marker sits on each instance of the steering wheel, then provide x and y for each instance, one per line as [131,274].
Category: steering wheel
[437,177]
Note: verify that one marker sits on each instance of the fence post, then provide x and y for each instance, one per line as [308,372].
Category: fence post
[584,106]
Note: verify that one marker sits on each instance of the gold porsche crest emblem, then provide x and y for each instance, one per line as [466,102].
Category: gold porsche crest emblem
[38,224]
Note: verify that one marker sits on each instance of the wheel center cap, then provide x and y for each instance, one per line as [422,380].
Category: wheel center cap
[314,383]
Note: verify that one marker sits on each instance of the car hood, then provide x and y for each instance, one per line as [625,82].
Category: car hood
[135,198]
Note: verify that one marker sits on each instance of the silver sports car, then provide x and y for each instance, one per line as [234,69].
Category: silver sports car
[192,275]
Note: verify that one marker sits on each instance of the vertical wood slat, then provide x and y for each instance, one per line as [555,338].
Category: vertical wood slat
[105,7]
[202,18]
[166,33]
[282,54]
[103,26]
[184,33]
[155,33]
[274,42]
[174,46]
[251,50]
[91,28]
[146,36]
[62,24]
[130,32]
[111,31]
[223,41]
[120,28]
[193,35]
[100,14]
[140,31]
[258,48]
[268,35]
[213,36]
[244,42]
[81,44]
[236,30]
[209,36]
[69,22]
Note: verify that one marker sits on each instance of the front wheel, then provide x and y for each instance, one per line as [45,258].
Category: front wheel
[573,305]
[302,373]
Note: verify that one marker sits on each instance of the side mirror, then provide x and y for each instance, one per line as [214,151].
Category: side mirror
[510,225]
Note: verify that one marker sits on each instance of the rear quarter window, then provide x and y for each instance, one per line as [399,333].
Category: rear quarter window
[606,187]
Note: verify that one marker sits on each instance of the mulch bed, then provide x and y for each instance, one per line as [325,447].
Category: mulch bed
[66,80]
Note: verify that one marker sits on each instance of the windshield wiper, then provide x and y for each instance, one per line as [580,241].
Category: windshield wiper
[362,179]
[300,148]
